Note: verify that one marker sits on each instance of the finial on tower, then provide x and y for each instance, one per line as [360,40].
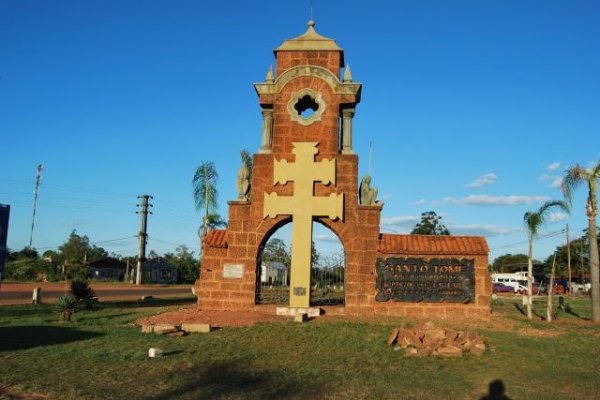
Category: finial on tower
[269,77]
[347,74]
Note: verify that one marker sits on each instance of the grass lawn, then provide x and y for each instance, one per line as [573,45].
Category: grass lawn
[102,355]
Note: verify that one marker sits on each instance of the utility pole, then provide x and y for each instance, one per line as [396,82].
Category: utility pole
[569,260]
[142,236]
[38,180]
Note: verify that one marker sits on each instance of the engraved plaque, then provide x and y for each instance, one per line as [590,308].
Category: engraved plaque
[299,291]
[418,280]
[233,271]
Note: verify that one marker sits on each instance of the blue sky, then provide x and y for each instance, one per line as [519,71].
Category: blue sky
[474,109]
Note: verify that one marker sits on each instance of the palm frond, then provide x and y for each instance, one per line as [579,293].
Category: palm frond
[247,159]
[204,185]
[574,177]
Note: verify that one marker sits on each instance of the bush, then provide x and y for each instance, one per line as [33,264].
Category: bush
[30,269]
[82,291]
[66,305]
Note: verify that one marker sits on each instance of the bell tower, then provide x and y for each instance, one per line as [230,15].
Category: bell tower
[305,99]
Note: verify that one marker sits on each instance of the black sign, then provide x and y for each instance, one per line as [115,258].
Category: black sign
[4,212]
[418,280]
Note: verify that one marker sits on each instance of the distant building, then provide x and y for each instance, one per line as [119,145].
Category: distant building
[109,269]
[158,270]
[273,273]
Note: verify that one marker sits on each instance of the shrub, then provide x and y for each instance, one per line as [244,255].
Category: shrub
[66,305]
[82,291]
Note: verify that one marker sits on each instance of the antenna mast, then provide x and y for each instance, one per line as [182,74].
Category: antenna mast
[38,180]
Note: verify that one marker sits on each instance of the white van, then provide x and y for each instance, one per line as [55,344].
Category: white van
[512,280]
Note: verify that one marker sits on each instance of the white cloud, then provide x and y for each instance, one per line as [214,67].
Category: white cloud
[483,230]
[327,238]
[399,222]
[555,180]
[419,202]
[487,200]
[553,166]
[406,220]
[557,217]
[483,180]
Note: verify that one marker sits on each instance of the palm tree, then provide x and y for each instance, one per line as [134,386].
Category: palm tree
[534,221]
[205,191]
[575,176]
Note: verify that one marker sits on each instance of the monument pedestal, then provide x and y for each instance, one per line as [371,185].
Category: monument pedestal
[311,312]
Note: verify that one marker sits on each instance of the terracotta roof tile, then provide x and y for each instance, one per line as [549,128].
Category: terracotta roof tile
[216,238]
[430,244]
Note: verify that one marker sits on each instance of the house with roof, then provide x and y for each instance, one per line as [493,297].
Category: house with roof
[107,269]
[158,270]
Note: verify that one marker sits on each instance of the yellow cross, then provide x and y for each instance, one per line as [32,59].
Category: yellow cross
[303,206]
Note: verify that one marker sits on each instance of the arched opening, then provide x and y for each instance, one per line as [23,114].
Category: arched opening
[327,270]
[273,272]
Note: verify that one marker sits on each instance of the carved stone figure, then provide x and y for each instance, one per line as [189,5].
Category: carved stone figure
[243,183]
[367,195]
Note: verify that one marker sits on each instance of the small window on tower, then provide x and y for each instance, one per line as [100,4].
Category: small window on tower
[306,106]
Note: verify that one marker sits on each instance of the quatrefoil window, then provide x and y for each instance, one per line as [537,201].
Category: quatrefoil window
[306,107]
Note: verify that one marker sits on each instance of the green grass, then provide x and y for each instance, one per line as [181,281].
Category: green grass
[101,355]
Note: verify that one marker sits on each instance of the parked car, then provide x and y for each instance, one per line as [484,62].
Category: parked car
[523,289]
[581,287]
[502,288]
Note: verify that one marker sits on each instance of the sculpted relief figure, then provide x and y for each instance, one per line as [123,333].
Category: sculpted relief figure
[243,179]
[367,195]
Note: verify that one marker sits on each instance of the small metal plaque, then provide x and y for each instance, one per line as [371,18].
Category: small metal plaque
[233,271]
[418,280]
[299,291]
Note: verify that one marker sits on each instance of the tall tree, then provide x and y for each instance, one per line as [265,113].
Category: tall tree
[204,186]
[276,250]
[575,176]
[431,224]
[533,222]
[186,264]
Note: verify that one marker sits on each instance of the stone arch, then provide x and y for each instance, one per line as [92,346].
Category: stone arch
[271,284]
[328,274]
[307,71]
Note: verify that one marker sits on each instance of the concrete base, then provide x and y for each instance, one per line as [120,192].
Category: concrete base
[293,311]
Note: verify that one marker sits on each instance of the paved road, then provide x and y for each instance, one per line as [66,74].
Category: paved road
[21,293]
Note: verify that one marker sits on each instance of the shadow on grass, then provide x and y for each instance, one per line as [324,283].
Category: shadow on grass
[572,312]
[26,337]
[533,312]
[228,380]
[496,391]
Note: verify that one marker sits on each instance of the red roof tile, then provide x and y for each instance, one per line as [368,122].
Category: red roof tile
[216,238]
[431,244]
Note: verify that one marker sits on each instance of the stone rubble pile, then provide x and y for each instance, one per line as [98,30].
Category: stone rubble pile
[428,340]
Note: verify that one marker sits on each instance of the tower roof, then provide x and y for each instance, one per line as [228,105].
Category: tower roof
[309,41]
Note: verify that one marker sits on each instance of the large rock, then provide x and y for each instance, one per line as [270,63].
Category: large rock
[450,351]
[196,328]
[163,329]
[407,338]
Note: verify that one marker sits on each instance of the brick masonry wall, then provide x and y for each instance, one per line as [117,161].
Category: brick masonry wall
[365,304]
[359,231]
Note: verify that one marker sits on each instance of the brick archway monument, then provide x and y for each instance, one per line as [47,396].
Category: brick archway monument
[306,170]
